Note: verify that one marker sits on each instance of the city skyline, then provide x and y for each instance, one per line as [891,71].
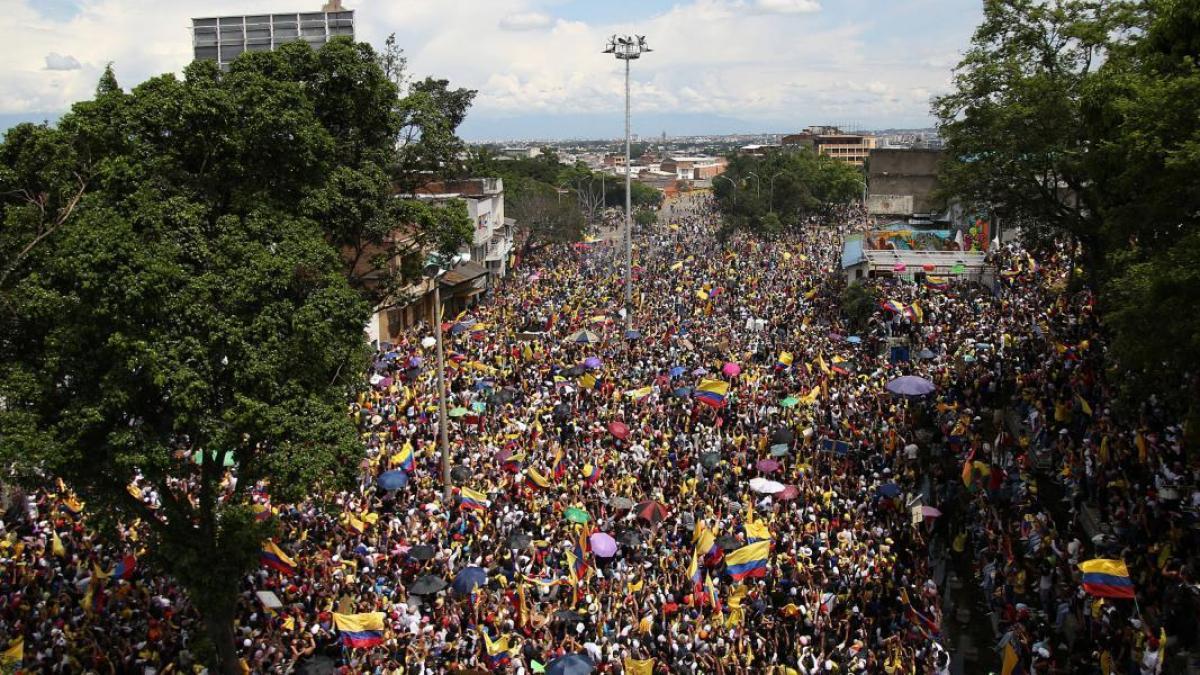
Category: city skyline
[537,63]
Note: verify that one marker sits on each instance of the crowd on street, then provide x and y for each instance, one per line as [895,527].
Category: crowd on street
[727,482]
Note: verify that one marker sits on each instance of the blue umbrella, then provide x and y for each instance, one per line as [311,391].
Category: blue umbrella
[911,385]
[633,335]
[571,664]
[677,371]
[683,392]
[592,362]
[854,339]
[889,490]
[469,579]
[392,480]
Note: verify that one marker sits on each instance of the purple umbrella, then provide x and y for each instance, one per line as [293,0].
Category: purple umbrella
[603,545]
[731,369]
[911,385]
[385,383]
[767,465]
[592,362]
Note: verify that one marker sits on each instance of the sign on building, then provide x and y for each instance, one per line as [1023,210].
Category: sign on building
[890,205]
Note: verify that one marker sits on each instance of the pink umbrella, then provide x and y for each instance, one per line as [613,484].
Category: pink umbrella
[731,369]
[618,429]
[788,493]
[930,512]
[603,545]
[767,465]
[900,267]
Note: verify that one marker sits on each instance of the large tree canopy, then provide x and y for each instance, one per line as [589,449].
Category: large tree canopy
[176,295]
[1077,118]
[782,189]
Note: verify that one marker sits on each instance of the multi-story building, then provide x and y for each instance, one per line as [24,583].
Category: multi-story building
[695,168]
[833,142]
[223,38]
[903,182]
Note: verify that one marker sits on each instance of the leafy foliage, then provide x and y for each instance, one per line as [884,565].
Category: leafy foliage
[182,273]
[782,189]
[1077,118]
[858,303]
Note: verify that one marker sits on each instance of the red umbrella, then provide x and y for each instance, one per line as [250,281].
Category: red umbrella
[767,465]
[789,493]
[651,512]
[618,429]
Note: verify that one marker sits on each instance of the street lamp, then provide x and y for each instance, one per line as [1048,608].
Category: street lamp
[757,183]
[434,270]
[627,48]
[771,195]
[731,184]
[863,183]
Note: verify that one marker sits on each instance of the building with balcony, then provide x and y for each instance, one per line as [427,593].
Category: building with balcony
[224,38]
[833,142]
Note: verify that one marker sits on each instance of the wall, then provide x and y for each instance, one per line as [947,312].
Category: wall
[906,172]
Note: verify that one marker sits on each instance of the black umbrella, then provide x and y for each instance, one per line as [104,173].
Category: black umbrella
[728,542]
[651,512]
[629,538]
[562,411]
[573,371]
[316,665]
[519,540]
[571,664]
[506,395]
[782,435]
[421,552]
[568,616]
[710,460]
[460,474]
[427,585]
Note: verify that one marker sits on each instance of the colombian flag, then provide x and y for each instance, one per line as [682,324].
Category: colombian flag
[937,283]
[712,392]
[501,651]
[894,306]
[360,631]
[915,313]
[272,556]
[1106,578]
[749,561]
[472,499]
[591,474]
[639,394]
[405,457]
[785,361]
[125,568]
[1011,665]
[537,480]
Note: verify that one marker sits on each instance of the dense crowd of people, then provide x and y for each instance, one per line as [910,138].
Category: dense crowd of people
[729,487]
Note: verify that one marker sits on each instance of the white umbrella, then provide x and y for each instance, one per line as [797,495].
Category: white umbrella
[767,487]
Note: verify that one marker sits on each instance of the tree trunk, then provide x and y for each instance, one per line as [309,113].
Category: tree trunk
[219,624]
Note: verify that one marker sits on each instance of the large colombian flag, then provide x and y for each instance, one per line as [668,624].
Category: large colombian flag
[360,631]
[749,561]
[272,556]
[1106,578]
[712,392]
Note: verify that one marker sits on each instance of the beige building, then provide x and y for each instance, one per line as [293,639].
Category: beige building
[833,142]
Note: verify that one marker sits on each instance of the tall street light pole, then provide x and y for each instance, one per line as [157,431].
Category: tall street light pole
[627,48]
[732,184]
[434,271]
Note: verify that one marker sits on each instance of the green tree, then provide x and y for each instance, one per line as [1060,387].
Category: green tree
[544,214]
[173,282]
[859,303]
[1014,128]
[782,189]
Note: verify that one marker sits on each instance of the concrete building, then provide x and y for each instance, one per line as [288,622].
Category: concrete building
[223,38]
[694,168]
[903,182]
[833,142]
[520,152]
[493,242]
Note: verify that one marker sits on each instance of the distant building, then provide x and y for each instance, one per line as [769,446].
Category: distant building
[694,168]
[833,142]
[757,149]
[902,182]
[493,241]
[520,153]
[223,38]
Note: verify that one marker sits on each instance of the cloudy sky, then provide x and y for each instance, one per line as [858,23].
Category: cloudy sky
[719,66]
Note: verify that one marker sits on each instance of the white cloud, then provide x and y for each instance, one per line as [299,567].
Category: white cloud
[526,21]
[766,60]
[56,61]
[787,6]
